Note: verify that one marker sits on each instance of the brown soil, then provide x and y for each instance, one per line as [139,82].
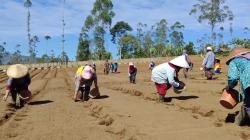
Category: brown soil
[124,111]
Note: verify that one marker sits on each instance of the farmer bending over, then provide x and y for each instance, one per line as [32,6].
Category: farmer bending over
[17,84]
[165,75]
[239,70]
[83,82]
[132,71]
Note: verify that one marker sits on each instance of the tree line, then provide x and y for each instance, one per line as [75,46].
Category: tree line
[158,40]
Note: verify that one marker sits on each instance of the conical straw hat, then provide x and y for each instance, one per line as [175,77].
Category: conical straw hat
[17,71]
[180,61]
[237,52]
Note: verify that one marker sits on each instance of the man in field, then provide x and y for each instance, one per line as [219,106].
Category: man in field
[166,75]
[84,78]
[208,63]
[17,85]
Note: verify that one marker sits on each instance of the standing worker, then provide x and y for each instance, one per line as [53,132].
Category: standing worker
[208,63]
[17,85]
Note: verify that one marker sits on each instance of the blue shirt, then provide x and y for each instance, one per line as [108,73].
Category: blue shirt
[239,70]
[209,59]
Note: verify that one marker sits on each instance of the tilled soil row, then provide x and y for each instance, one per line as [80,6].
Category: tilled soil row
[35,75]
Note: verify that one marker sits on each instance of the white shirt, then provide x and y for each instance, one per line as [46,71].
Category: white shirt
[164,73]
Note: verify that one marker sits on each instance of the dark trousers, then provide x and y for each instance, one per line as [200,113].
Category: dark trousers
[247,97]
[85,93]
[132,77]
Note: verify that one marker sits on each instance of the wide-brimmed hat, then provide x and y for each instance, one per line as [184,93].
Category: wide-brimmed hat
[131,64]
[236,52]
[87,72]
[180,61]
[17,71]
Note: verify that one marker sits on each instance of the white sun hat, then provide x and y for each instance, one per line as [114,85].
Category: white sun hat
[209,48]
[17,71]
[180,61]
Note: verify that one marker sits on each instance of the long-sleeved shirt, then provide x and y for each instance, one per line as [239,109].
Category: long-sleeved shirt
[18,83]
[239,70]
[164,73]
[209,60]
[80,82]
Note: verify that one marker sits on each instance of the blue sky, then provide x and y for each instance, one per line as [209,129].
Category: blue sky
[46,19]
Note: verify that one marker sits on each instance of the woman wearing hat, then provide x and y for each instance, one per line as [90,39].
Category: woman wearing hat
[239,70]
[17,85]
[83,82]
[166,75]
[208,63]
[132,71]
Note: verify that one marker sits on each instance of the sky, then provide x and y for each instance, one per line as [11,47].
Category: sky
[46,19]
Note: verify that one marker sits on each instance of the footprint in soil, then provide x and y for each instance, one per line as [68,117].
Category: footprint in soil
[244,136]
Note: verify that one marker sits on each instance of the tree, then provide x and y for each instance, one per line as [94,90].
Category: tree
[140,33]
[176,34]
[102,16]
[83,52]
[34,40]
[246,31]
[119,30]
[47,37]
[130,47]
[2,53]
[148,45]
[161,32]
[231,29]
[16,57]
[28,4]
[63,59]
[190,48]
[212,11]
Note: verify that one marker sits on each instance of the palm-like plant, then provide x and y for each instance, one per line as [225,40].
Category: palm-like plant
[47,37]
[28,4]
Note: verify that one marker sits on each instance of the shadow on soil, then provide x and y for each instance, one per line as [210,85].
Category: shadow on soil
[101,97]
[169,99]
[40,102]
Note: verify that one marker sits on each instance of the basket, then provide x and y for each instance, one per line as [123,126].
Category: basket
[229,99]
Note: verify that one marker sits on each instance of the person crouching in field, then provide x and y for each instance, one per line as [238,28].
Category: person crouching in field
[17,85]
[217,67]
[84,78]
[132,71]
[166,75]
[239,70]
[208,63]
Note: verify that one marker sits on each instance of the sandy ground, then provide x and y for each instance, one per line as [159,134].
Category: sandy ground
[125,111]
